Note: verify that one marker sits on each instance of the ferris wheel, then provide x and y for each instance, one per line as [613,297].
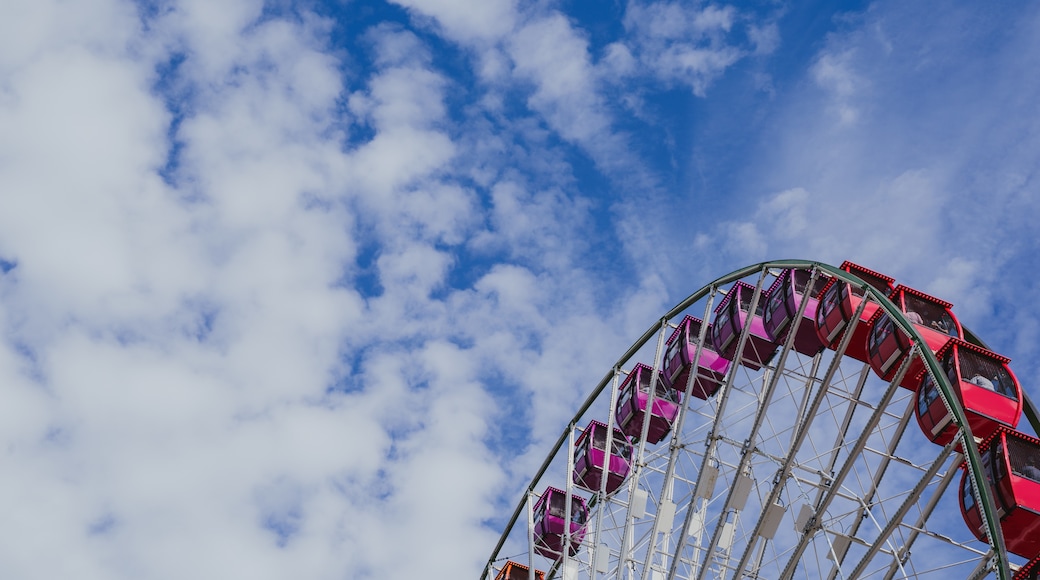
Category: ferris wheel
[790,420]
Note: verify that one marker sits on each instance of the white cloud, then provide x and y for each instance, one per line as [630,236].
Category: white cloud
[550,53]
[829,227]
[418,268]
[159,332]
[529,222]
[682,45]
[765,38]
[618,61]
[469,20]
[212,34]
[833,73]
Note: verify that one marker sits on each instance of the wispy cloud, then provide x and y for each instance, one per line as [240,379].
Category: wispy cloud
[682,45]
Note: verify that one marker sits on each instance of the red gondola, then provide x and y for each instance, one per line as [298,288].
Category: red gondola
[785,297]
[1011,462]
[985,385]
[632,402]
[589,455]
[678,358]
[887,345]
[730,318]
[1031,571]
[840,301]
[550,522]
[516,571]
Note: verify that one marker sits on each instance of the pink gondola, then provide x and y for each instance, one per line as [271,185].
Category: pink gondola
[589,455]
[633,398]
[679,355]
[550,522]
[887,345]
[838,305]
[785,298]
[1011,462]
[730,317]
[985,385]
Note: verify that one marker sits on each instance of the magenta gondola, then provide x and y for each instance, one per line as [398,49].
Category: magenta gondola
[633,398]
[730,317]
[838,305]
[887,345]
[785,298]
[590,454]
[1011,462]
[550,522]
[516,571]
[985,385]
[678,359]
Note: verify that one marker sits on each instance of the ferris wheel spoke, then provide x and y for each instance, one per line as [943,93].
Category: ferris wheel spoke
[734,496]
[916,529]
[896,519]
[708,472]
[887,458]
[835,484]
[675,447]
[799,434]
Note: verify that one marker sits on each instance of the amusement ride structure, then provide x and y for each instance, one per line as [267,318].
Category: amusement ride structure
[790,420]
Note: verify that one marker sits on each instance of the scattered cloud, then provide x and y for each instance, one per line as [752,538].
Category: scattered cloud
[833,74]
[682,45]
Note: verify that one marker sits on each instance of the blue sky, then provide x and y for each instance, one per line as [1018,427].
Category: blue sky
[304,289]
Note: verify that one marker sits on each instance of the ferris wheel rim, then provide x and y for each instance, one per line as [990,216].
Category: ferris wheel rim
[969,447]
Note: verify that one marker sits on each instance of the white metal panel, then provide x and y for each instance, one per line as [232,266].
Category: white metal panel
[726,538]
[602,558]
[771,520]
[639,503]
[570,569]
[805,513]
[741,491]
[840,546]
[665,515]
[707,486]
